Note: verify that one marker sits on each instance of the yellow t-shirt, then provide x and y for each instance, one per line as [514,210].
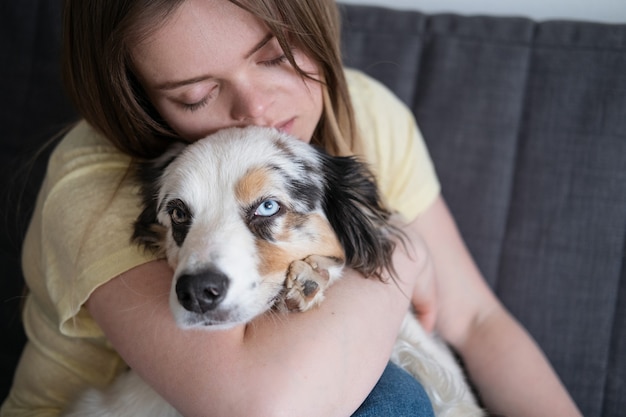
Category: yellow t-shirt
[79,238]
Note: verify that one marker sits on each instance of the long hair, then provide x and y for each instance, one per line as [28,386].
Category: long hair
[99,78]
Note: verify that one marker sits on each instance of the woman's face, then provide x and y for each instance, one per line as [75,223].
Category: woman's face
[214,65]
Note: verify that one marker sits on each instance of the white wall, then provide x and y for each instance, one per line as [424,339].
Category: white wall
[611,11]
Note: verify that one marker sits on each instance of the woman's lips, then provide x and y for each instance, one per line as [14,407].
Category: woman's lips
[286,126]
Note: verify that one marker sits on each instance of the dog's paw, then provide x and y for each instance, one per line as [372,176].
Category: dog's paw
[306,282]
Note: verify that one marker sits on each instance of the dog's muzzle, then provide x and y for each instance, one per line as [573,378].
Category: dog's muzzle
[203,291]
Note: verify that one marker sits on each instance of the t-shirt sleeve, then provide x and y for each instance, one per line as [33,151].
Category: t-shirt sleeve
[83,225]
[394,147]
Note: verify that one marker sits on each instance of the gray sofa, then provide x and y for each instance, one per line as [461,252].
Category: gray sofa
[526,123]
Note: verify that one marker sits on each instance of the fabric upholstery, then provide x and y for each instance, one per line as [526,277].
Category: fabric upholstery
[34,108]
[526,123]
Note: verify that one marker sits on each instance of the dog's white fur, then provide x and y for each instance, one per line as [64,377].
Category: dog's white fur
[249,206]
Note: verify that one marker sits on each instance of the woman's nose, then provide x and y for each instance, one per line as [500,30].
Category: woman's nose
[250,104]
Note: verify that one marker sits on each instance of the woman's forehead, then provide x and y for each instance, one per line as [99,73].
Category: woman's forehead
[201,38]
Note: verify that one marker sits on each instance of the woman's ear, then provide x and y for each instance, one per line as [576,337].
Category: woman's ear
[148,232]
[357,214]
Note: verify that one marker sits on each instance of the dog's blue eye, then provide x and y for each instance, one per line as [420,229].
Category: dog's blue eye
[267,208]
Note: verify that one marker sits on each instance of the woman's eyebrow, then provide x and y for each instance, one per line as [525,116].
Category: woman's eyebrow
[172,85]
[259,45]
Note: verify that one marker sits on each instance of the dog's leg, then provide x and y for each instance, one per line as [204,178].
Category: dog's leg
[306,281]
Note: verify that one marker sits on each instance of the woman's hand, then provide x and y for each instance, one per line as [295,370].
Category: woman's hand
[424,295]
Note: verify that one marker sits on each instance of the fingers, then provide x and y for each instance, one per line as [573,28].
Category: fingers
[424,297]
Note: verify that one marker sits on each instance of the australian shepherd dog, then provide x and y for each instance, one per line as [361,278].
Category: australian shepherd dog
[250,220]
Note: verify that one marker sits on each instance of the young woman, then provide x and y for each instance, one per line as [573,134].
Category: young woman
[146,73]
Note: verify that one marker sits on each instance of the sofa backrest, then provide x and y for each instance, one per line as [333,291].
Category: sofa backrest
[526,124]
[34,109]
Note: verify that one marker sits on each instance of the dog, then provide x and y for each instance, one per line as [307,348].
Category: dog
[251,219]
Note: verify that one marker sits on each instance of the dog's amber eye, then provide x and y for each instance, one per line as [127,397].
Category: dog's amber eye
[267,208]
[178,216]
[178,212]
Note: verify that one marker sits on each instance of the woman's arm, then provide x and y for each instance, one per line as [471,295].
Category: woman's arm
[512,375]
[322,362]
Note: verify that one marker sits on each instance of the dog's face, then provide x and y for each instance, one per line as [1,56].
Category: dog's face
[233,212]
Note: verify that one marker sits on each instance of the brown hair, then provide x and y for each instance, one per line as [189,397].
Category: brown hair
[99,78]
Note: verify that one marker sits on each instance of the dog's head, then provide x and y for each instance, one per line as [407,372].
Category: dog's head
[232,211]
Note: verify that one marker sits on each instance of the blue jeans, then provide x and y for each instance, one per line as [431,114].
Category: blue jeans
[396,394]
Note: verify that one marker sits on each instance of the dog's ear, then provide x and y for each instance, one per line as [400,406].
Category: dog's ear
[357,214]
[148,232]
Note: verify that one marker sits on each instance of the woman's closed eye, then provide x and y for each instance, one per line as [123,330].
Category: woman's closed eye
[274,55]
[275,61]
[194,105]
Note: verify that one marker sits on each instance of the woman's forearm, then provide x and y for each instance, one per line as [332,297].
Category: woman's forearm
[320,363]
[512,375]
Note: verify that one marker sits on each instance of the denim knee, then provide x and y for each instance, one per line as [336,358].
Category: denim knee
[396,394]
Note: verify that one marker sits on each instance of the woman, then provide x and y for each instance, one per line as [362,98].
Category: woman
[145,73]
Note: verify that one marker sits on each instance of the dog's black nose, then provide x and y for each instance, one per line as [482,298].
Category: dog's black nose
[203,291]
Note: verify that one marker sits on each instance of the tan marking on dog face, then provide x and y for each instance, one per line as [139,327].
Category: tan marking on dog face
[247,188]
[328,243]
[274,261]
[312,235]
